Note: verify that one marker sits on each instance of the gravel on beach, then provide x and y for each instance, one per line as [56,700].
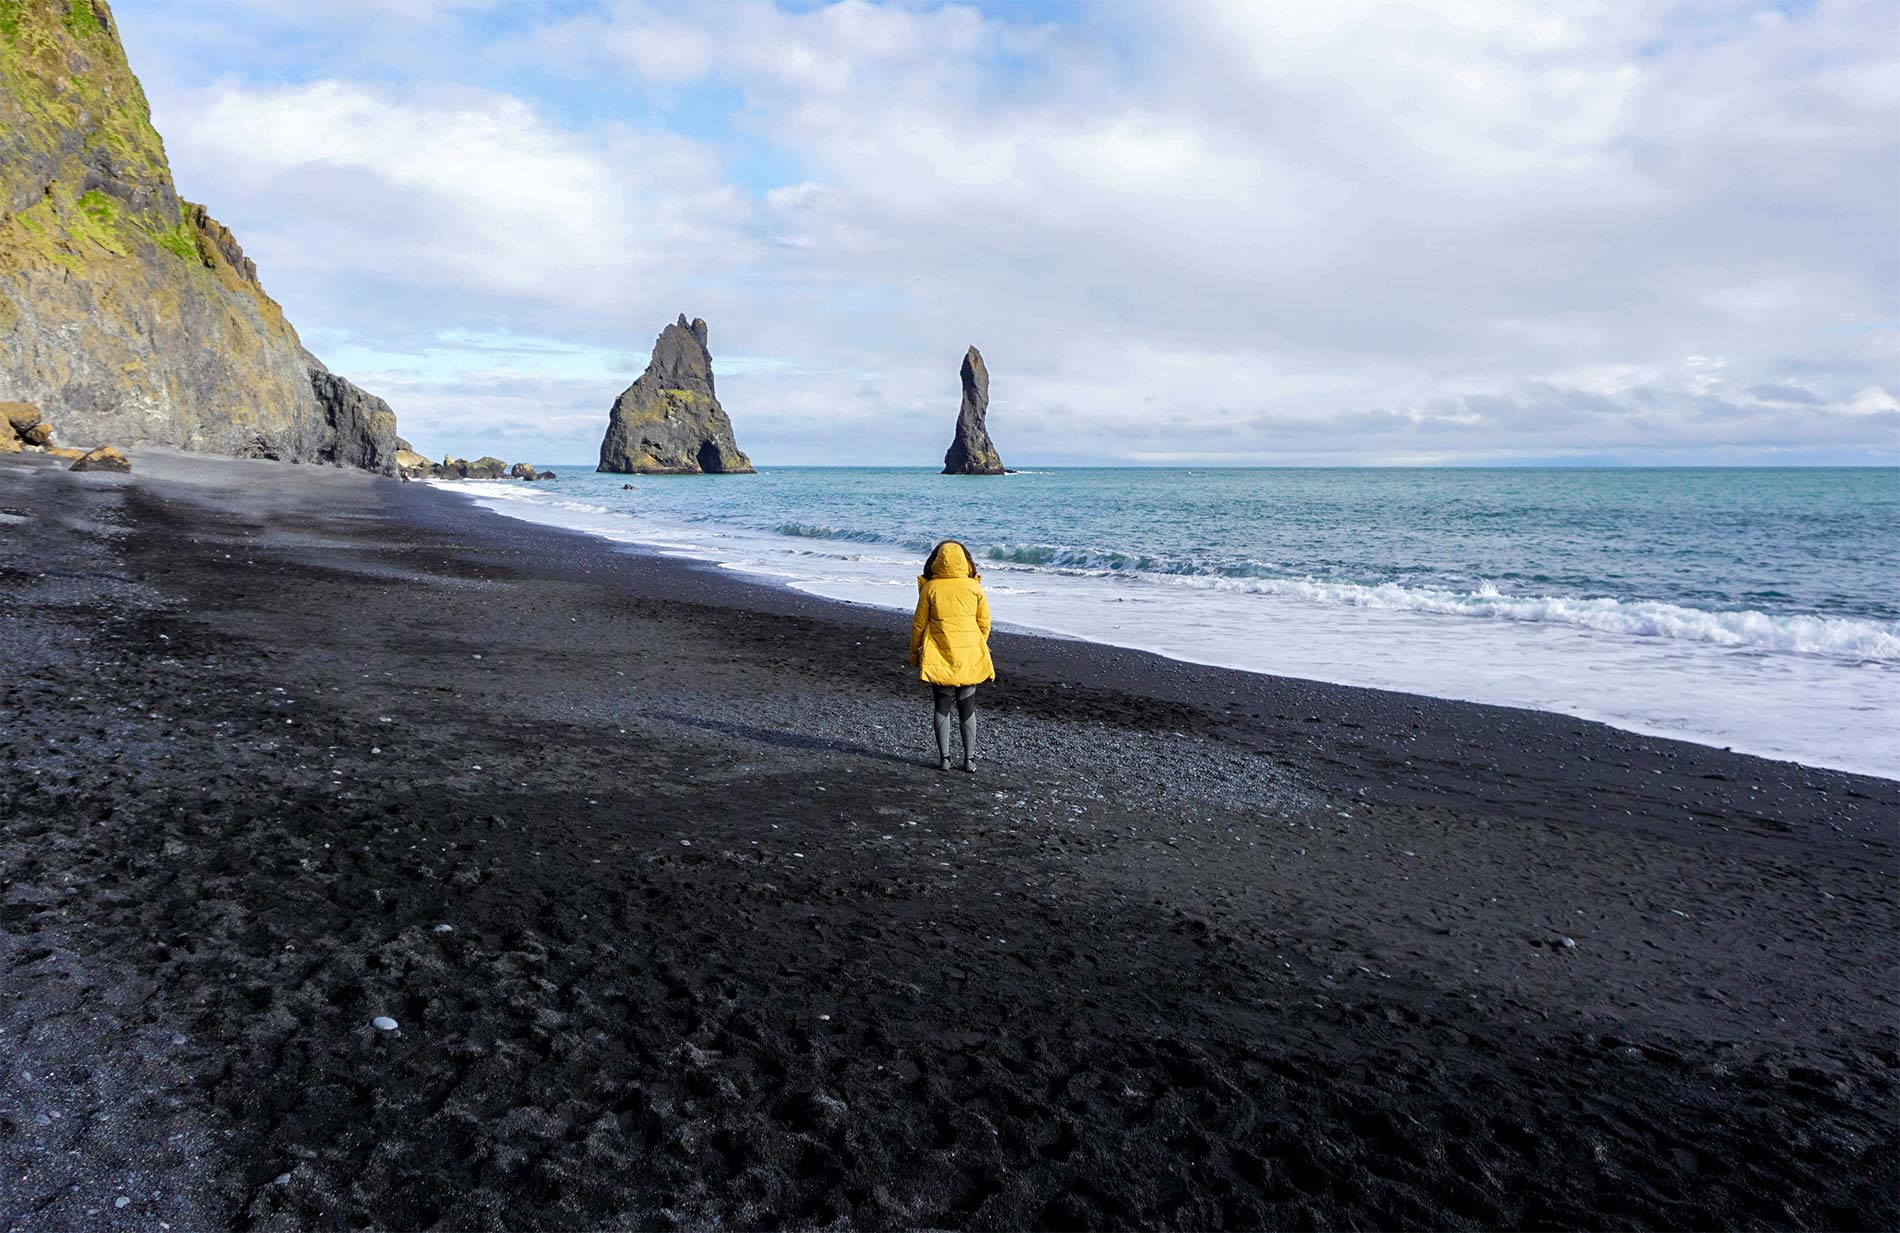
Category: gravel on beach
[368,859]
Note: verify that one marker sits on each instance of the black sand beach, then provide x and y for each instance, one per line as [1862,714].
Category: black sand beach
[681,926]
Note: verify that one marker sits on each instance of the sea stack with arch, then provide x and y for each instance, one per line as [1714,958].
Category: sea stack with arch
[669,422]
[972,453]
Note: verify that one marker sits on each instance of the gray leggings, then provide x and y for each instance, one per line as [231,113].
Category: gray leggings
[964,699]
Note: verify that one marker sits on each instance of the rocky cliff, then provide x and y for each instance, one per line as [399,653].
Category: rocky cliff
[971,453]
[669,422]
[127,314]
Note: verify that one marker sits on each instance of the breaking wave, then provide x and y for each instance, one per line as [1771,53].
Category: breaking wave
[1812,635]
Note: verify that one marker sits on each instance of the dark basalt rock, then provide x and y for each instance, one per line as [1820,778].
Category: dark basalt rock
[361,427]
[972,453]
[669,422]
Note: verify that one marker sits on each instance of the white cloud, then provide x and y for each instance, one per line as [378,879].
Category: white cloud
[458,188]
[1481,229]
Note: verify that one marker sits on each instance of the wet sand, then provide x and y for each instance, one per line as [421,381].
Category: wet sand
[681,926]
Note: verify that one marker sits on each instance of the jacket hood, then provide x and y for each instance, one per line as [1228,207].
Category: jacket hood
[950,561]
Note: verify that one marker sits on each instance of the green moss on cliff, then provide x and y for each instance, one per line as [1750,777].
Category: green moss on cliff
[80,19]
[179,242]
[67,84]
[99,220]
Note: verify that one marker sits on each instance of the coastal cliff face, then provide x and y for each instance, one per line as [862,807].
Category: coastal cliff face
[669,422]
[127,314]
[972,453]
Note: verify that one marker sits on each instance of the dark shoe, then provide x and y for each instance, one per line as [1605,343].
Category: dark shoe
[943,764]
[969,764]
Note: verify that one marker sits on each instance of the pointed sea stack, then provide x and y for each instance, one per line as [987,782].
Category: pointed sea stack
[971,453]
[668,422]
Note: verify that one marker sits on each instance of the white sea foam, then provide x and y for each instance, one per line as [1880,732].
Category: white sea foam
[1809,635]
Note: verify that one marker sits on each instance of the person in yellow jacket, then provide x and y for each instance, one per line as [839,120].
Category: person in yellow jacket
[950,643]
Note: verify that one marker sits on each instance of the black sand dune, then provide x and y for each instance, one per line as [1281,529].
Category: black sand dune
[680,929]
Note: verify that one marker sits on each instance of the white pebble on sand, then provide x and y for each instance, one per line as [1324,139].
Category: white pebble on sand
[383,1023]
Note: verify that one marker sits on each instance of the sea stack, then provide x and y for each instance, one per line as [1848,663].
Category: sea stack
[669,422]
[972,453]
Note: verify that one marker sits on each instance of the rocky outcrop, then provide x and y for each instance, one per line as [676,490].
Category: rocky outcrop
[972,453]
[415,466]
[23,429]
[105,458]
[669,422]
[360,427]
[126,313]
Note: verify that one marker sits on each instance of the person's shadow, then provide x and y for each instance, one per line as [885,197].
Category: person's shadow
[790,740]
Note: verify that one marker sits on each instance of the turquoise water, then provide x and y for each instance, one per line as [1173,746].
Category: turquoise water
[1667,600]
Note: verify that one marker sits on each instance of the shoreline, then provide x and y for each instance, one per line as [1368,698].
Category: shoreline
[1197,947]
[741,559]
[1151,670]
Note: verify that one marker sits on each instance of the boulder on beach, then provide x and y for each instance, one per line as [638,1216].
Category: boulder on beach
[104,458]
[522,470]
[411,463]
[669,422]
[486,467]
[971,453]
[17,419]
[23,428]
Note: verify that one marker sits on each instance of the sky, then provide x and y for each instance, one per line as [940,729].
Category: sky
[1247,231]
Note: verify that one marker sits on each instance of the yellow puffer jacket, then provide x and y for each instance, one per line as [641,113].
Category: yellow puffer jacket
[950,635]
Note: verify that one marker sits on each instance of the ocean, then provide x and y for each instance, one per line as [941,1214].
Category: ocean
[1757,609]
